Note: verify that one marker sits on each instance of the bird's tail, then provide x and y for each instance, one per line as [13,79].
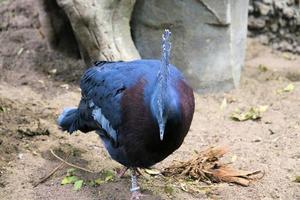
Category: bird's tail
[69,120]
[73,119]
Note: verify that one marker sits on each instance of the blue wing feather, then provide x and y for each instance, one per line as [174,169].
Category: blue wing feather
[103,85]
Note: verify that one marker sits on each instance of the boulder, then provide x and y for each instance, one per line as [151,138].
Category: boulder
[208,42]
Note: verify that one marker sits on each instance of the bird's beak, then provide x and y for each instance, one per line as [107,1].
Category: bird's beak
[161,132]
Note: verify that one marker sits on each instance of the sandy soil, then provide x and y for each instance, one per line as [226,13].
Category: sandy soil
[32,94]
[270,144]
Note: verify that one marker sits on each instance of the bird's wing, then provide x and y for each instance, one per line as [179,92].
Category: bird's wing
[103,86]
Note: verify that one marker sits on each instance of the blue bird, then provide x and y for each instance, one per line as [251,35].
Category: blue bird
[142,109]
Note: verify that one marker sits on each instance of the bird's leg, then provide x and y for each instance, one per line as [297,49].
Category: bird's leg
[135,189]
[121,173]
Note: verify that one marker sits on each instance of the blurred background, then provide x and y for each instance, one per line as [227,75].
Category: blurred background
[241,57]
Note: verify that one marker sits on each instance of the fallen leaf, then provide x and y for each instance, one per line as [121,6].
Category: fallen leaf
[223,104]
[20,51]
[65,86]
[78,184]
[288,56]
[152,172]
[2,109]
[233,158]
[262,68]
[263,109]
[289,88]
[69,180]
[252,113]
[183,187]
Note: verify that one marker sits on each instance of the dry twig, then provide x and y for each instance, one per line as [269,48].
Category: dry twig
[70,164]
[52,172]
[206,167]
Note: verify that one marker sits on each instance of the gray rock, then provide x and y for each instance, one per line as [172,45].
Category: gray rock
[284,45]
[256,23]
[263,8]
[275,45]
[208,38]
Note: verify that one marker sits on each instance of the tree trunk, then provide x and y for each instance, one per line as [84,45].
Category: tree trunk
[102,28]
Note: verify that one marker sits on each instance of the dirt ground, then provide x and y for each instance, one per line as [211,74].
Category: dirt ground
[36,83]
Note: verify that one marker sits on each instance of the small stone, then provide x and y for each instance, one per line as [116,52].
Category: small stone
[271,132]
[274,27]
[264,39]
[256,23]
[53,71]
[268,2]
[282,22]
[263,8]
[282,32]
[20,156]
[279,5]
[250,9]
[257,140]
[298,19]
[65,86]
[288,12]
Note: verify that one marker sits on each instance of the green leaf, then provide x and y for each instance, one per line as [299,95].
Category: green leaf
[109,178]
[78,184]
[99,181]
[69,180]
[108,175]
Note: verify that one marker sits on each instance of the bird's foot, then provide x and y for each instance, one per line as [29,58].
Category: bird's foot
[135,189]
[122,171]
[136,195]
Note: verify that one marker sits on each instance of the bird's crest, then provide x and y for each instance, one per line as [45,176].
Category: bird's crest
[165,54]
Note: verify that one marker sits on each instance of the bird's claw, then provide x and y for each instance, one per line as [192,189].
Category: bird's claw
[122,171]
[136,195]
